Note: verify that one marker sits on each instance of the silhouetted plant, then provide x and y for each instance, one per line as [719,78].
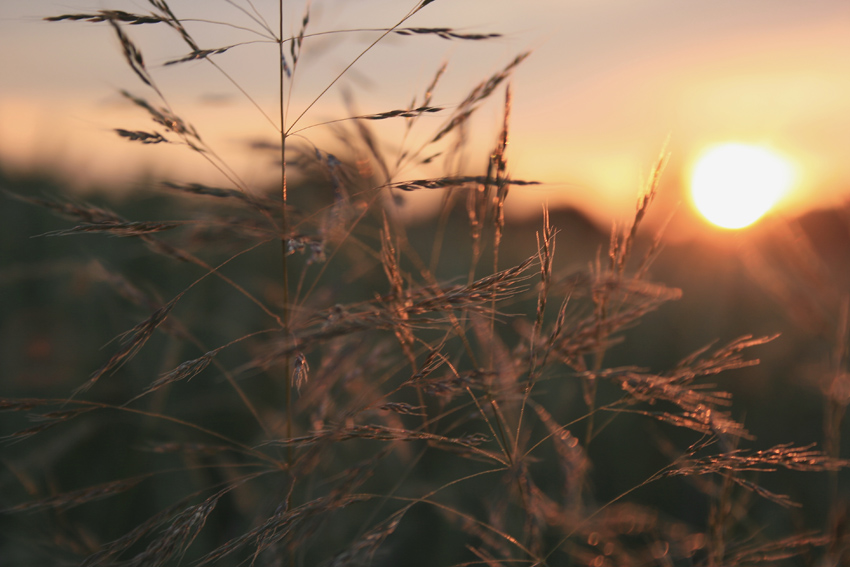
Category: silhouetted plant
[342,397]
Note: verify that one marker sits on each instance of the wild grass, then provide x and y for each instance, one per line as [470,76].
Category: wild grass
[341,394]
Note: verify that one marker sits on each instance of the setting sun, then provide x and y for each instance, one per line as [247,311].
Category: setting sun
[733,185]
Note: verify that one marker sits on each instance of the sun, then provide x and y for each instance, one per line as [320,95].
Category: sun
[733,185]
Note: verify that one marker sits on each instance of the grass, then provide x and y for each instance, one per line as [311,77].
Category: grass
[304,379]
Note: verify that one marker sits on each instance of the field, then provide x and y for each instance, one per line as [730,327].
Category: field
[295,375]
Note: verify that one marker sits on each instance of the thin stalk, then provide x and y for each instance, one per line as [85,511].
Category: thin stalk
[284,233]
[387,32]
[287,370]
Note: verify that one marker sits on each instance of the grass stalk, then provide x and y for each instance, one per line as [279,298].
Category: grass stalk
[284,199]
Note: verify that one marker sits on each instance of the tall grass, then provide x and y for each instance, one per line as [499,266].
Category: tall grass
[316,383]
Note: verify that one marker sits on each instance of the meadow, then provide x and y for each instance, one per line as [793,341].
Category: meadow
[293,374]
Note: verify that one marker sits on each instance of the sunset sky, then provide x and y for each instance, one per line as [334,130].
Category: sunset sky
[608,82]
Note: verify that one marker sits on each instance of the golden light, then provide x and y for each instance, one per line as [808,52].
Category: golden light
[733,185]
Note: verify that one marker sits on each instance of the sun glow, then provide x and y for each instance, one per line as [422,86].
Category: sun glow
[733,185]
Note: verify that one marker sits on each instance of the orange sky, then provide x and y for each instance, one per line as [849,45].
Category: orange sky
[607,83]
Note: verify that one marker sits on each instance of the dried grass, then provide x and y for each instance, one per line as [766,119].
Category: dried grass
[382,390]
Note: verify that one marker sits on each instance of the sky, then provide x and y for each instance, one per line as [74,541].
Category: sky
[609,84]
